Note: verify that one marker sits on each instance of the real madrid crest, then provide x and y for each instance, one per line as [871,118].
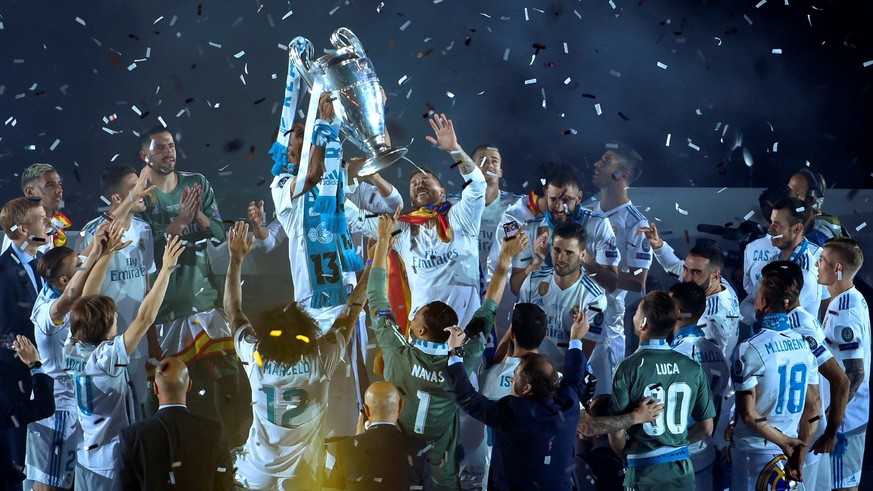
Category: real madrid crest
[543,288]
[142,244]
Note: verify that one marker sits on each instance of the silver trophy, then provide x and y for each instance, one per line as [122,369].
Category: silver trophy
[360,101]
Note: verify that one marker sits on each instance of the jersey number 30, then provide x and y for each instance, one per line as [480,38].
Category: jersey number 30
[677,406]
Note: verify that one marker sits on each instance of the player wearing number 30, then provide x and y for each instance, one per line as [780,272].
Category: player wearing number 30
[778,402]
[289,369]
[98,357]
[657,452]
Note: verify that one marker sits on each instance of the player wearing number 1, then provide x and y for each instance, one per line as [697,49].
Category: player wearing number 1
[778,403]
[657,452]
[416,368]
[289,369]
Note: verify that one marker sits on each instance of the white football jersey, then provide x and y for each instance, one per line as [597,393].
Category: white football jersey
[635,254]
[691,342]
[490,222]
[104,398]
[847,331]
[757,254]
[520,213]
[778,366]
[807,325]
[540,289]
[50,338]
[437,270]
[497,381]
[289,212]
[806,255]
[127,276]
[287,433]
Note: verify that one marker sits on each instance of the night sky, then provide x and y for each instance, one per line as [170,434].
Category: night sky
[737,114]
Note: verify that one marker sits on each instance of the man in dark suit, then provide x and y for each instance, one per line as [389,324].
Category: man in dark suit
[382,458]
[534,428]
[17,413]
[25,224]
[174,449]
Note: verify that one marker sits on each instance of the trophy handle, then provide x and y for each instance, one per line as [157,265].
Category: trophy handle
[300,51]
[344,37]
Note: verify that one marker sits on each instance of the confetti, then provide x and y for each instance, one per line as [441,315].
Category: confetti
[55,145]
[80,20]
[597,108]
[302,338]
[747,19]
[567,81]
[405,25]
[680,210]
[661,65]
[450,95]
[289,15]
[868,63]
[776,51]
[506,54]
[530,81]
[695,147]
[859,227]
[760,4]
[258,359]
[749,215]
[720,190]
[668,140]
[239,55]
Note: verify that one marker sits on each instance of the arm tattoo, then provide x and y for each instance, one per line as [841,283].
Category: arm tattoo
[464,162]
[855,372]
[610,424]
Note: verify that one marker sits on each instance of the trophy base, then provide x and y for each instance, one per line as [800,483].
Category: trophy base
[378,162]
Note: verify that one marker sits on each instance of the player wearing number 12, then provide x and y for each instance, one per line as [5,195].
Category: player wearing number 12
[778,403]
[289,369]
[657,452]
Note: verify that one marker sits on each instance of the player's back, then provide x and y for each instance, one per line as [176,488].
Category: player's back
[782,365]
[670,377]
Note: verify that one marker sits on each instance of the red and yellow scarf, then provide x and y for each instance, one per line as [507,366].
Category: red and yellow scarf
[439,211]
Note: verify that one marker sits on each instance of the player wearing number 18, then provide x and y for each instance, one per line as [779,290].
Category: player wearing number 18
[657,452]
[778,404]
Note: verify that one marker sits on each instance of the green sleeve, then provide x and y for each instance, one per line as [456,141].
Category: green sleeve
[703,406]
[381,317]
[209,207]
[475,347]
[620,395]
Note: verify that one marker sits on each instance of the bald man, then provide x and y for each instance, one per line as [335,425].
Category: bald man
[382,457]
[174,449]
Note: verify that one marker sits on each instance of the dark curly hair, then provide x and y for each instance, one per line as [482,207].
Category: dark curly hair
[286,333]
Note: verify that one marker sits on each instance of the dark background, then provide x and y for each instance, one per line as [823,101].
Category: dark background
[59,79]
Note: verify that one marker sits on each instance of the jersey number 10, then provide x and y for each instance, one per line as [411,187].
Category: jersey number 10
[677,406]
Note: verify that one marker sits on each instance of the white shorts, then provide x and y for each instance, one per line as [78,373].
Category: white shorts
[51,449]
[249,476]
[846,469]
[810,471]
[758,471]
[602,365]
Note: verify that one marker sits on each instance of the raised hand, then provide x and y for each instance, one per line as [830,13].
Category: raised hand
[238,242]
[580,325]
[445,133]
[514,245]
[387,225]
[647,411]
[110,240]
[456,337]
[651,233]
[172,251]
[27,352]
[255,214]
[141,189]
[541,245]
[325,107]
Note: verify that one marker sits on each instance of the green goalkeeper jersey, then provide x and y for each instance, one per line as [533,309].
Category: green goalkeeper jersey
[676,380]
[429,409]
[191,287]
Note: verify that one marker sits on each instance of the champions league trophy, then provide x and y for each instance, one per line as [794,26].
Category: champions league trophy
[360,101]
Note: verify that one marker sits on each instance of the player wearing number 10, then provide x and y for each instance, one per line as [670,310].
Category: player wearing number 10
[657,452]
[778,403]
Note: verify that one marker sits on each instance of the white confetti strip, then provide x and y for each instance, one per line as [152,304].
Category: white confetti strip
[148,52]
[158,20]
[859,227]
[747,19]
[173,20]
[530,81]
[695,147]
[110,131]
[526,17]
[615,73]
[567,81]
[243,78]
[506,54]
[597,109]
[136,110]
[287,15]
[668,140]
[698,112]
[131,67]
[566,49]
[760,4]
[80,20]
[283,47]
[749,215]
[577,13]
[680,210]
[868,63]
[55,145]
[483,14]
[114,157]
[405,25]
[612,4]
[661,65]
[239,55]
[775,147]
[777,51]
[450,95]
[333,10]
[161,120]
[214,45]
[720,190]
[402,79]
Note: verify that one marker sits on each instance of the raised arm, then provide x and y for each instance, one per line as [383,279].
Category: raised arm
[110,243]
[540,249]
[148,310]
[355,304]
[445,139]
[663,252]
[646,412]
[511,248]
[238,246]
